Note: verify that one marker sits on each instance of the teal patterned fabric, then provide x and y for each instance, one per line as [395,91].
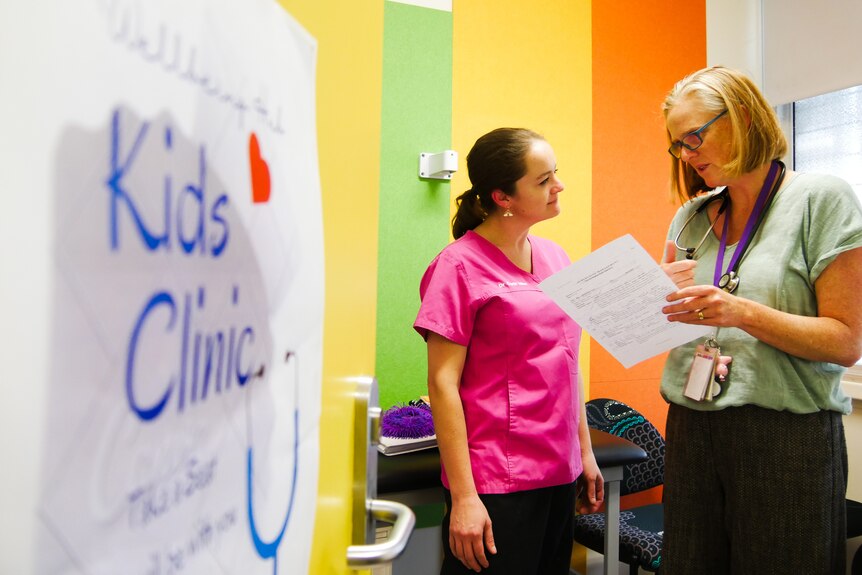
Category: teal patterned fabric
[641,527]
[621,420]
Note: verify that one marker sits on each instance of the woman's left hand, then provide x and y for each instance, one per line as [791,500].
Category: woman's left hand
[834,335]
[590,486]
[705,304]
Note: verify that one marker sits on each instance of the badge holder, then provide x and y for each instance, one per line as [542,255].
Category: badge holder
[701,384]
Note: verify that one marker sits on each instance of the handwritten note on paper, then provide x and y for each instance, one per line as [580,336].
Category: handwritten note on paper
[616,294]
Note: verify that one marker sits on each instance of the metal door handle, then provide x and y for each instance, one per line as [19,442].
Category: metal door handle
[402,519]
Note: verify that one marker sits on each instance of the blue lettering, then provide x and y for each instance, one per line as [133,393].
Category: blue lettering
[161,298]
[197,196]
[187,311]
[213,344]
[242,376]
[184,217]
[218,355]
[118,192]
[230,355]
[219,242]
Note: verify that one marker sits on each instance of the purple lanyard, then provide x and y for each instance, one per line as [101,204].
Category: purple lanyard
[750,227]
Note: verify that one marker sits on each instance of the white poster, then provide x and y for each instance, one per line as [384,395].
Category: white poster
[187,290]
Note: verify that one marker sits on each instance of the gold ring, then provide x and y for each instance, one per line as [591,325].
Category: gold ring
[700,315]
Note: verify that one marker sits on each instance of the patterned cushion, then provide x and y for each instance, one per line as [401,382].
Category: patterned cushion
[638,545]
[619,419]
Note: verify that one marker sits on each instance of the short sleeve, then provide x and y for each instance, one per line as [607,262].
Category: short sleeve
[448,303]
[834,224]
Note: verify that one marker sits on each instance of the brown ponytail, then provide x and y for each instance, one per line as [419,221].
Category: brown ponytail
[469,214]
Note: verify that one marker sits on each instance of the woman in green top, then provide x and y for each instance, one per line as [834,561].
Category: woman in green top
[756,464]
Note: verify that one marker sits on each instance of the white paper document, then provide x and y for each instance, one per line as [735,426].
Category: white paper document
[616,294]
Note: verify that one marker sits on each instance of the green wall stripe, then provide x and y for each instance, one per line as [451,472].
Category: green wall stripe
[416,117]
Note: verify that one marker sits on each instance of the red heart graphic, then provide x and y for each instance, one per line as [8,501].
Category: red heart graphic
[260,185]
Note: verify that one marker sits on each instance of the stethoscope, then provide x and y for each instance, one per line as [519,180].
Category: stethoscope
[725,201]
[269,550]
[730,279]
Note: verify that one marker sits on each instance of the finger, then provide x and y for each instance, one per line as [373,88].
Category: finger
[682,294]
[458,551]
[600,488]
[676,296]
[479,554]
[680,308]
[680,266]
[464,554]
[669,252]
[687,316]
[691,293]
[489,540]
[470,557]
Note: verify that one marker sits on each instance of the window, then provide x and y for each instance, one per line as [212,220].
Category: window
[827,137]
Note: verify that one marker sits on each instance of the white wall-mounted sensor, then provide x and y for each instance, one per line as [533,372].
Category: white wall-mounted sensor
[439,166]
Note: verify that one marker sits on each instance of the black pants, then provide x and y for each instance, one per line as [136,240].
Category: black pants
[754,491]
[533,532]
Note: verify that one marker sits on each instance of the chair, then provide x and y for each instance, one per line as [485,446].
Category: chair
[641,528]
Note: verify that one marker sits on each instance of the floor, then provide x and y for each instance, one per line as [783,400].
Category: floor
[420,557]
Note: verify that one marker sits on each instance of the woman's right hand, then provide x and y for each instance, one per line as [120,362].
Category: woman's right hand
[469,524]
[470,533]
[680,272]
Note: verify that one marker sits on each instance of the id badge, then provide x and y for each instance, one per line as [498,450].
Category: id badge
[701,376]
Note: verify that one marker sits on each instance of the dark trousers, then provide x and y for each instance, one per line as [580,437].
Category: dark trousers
[754,491]
[533,532]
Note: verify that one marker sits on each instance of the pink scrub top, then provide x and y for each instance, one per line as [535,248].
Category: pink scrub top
[519,386]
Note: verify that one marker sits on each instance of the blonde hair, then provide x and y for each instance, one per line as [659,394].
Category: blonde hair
[756,135]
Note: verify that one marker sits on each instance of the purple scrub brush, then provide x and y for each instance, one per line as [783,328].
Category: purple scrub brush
[407,422]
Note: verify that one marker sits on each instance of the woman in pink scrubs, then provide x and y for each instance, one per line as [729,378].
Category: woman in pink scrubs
[503,373]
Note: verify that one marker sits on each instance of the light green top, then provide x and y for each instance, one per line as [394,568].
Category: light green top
[812,220]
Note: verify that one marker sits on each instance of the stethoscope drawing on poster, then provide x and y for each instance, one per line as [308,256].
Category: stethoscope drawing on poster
[265,549]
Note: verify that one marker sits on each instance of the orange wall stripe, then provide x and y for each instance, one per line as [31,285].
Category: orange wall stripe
[639,52]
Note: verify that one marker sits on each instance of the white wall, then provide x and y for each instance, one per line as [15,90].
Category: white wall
[793,49]
[26,234]
[733,36]
[810,48]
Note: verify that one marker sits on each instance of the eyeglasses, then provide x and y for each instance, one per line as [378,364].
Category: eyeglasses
[692,140]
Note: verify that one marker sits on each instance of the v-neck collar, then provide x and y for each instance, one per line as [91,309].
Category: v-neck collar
[502,259]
